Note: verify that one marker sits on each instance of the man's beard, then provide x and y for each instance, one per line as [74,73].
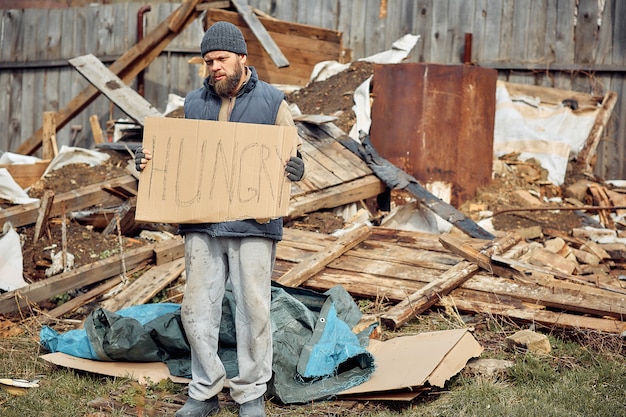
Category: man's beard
[226,86]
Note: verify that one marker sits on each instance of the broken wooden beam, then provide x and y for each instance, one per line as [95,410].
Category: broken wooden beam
[96,129]
[77,278]
[73,200]
[146,287]
[120,214]
[82,299]
[109,84]
[318,261]
[428,295]
[169,250]
[335,196]
[587,153]
[50,149]
[497,305]
[261,34]
[44,213]
[483,257]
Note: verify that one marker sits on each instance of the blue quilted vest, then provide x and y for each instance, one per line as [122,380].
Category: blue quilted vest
[257,102]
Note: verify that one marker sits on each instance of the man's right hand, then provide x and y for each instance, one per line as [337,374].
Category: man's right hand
[142,156]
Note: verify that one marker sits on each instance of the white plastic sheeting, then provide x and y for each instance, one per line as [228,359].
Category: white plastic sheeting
[551,134]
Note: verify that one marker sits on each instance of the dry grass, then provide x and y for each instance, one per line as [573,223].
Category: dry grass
[584,375]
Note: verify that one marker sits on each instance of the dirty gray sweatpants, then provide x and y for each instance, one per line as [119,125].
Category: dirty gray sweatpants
[248,263]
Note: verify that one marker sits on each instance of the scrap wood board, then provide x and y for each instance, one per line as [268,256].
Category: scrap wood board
[379,268]
[302,45]
[95,194]
[127,99]
[334,176]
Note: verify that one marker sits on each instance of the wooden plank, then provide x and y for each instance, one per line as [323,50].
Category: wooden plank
[479,257]
[403,247]
[96,130]
[322,137]
[487,33]
[484,303]
[343,19]
[124,97]
[386,268]
[335,196]
[72,200]
[285,28]
[126,67]
[588,152]
[554,96]
[147,286]
[368,252]
[563,47]
[44,213]
[409,239]
[316,119]
[586,31]
[326,165]
[318,261]
[571,297]
[467,300]
[303,45]
[427,296]
[550,271]
[49,149]
[536,23]
[557,294]
[82,299]
[459,24]
[53,32]
[169,250]
[261,34]
[26,175]
[77,278]
[406,256]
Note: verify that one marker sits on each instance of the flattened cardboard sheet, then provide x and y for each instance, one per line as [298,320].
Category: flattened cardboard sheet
[142,372]
[404,365]
[207,171]
[410,362]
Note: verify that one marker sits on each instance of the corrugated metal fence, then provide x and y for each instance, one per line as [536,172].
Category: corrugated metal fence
[570,44]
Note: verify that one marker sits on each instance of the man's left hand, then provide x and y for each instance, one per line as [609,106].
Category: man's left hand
[295,168]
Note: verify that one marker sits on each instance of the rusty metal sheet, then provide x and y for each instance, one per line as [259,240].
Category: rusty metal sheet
[436,123]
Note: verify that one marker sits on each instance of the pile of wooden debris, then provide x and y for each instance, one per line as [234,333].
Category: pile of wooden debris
[538,260]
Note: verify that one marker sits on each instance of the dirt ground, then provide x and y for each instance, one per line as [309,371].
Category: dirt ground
[333,96]
[330,97]
[85,243]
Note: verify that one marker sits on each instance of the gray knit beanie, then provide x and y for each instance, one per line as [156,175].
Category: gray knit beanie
[223,36]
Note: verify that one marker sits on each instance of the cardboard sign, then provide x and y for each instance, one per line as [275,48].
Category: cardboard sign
[206,171]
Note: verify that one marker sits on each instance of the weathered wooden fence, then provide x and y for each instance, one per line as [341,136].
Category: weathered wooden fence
[570,44]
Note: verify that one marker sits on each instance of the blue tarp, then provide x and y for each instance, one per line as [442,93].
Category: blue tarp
[316,354]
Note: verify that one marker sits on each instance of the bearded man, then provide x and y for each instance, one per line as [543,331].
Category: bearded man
[241,252]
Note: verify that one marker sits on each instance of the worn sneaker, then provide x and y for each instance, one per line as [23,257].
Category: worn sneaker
[195,408]
[253,408]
